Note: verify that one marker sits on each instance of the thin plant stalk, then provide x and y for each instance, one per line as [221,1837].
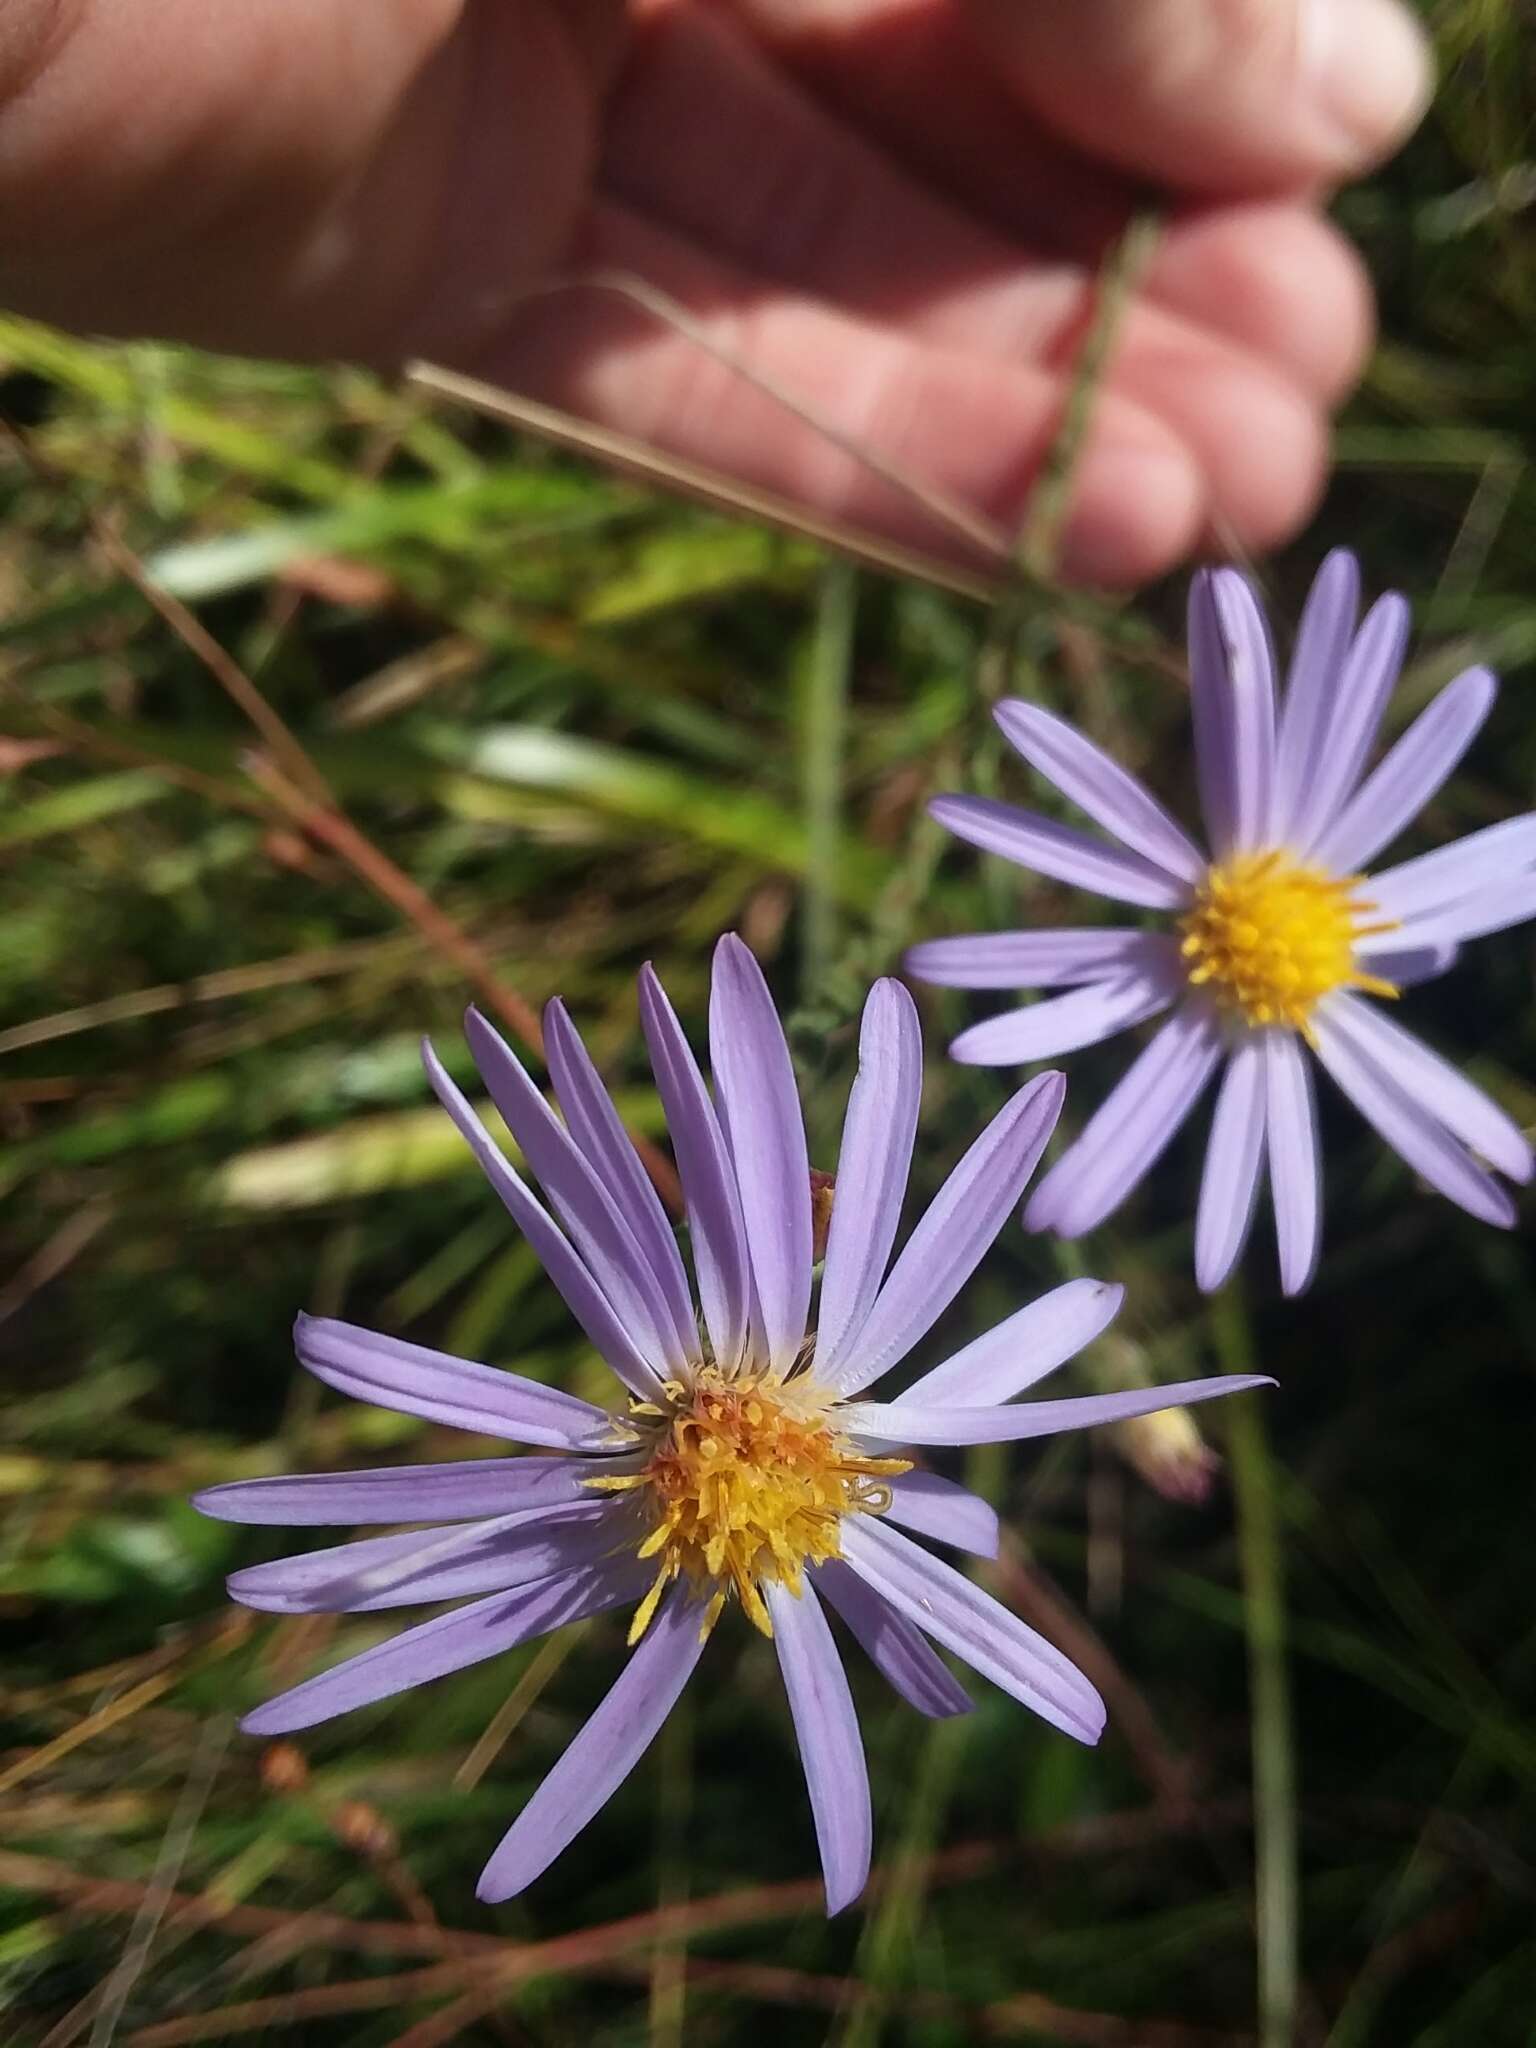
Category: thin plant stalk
[668,1999]
[1039,540]
[823,726]
[1276,1886]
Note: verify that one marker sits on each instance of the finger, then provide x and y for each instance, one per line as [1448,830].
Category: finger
[296,176]
[1270,275]
[975,428]
[1233,96]
[1212,96]
[1276,279]
[915,78]
[774,183]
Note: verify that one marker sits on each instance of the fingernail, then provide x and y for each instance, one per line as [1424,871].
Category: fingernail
[1369,67]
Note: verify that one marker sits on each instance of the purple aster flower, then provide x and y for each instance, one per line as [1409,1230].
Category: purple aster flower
[746,1463]
[1276,940]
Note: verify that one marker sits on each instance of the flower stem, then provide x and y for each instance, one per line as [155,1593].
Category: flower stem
[1274,1761]
[1039,542]
[823,723]
[668,2002]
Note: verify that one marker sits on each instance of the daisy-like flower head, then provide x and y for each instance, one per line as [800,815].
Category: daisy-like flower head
[744,1466]
[1272,943]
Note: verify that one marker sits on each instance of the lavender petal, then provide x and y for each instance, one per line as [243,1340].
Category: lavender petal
[886,1422]
[1020,1351]
[872,1167]
[1494,909]
[956,1231]
[1409,1128]
[1365,683]
[1432,882]
[1250,679]
[1211,711]
[1067,855]
[1435,1085]
[946,1606]
[715,1227]
[898,1651]
[1066,1023]
[604,1751]
[1295,1179]
[598,1129]
[390,1373]
[437,1564]
[1128,1132]
[1229,1184]
[938,1508]
[448,1643]
[760,1113]
[1053,958]
[1407,966]
[602,1323]
[580,1199]
[827,1732]
[1322,643]
[594,1222]
[1100,787]
[1413,770]
[462,1492]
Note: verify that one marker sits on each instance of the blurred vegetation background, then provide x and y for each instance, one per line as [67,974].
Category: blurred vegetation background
[590,727]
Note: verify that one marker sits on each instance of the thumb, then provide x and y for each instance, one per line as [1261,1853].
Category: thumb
[1218,95]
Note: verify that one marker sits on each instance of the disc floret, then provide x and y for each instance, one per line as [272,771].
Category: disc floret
[746,1480]
[1271,936]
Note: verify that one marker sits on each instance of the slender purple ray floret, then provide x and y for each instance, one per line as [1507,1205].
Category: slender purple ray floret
[743,1462]
[1271,942]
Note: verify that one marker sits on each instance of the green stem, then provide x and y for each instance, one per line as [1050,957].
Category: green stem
[823,729]
[1274,1761]
[885,1952]
[668,2004]
[1038,544]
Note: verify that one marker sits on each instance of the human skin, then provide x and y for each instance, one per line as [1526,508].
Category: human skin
[893,208]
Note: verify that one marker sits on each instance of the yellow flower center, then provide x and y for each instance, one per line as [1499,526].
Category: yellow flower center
[1272,936]
[747,1481]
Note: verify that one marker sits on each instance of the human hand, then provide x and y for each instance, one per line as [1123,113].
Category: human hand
[893,208]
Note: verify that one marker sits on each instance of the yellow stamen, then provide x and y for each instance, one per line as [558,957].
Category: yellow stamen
[747,1482]
[647,1606]
[1271,937]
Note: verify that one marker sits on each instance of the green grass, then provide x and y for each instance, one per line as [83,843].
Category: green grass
[597,728]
